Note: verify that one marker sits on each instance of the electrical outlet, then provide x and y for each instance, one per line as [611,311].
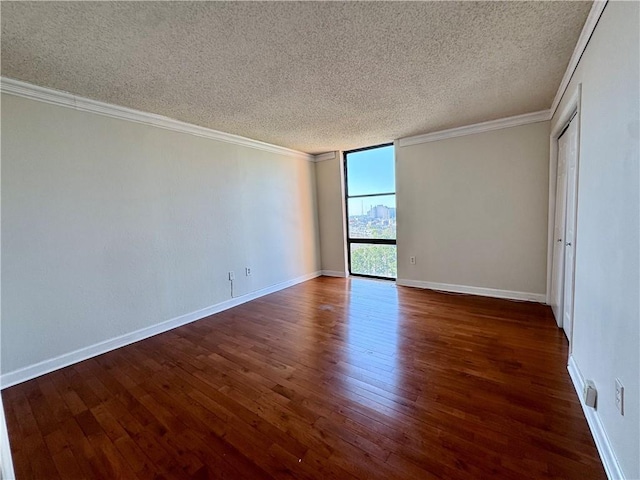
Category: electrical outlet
[231,276]
[619,396]
[247,271]
[412,260]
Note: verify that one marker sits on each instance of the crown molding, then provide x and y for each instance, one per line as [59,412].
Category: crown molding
[587,30]
[498,124]
[324,156]
[64,99]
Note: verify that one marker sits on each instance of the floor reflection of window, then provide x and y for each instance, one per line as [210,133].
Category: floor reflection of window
[372,335]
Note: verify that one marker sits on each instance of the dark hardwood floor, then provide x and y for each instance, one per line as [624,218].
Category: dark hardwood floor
[330,379]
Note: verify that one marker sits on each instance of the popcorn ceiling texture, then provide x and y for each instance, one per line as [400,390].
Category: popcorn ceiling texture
[313,76]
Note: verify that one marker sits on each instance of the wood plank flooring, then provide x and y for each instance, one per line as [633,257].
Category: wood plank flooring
[330,379]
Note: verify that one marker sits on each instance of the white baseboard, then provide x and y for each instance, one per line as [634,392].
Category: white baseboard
[485,292]
[6,463]
[333,273]
[608,457]
[27,373]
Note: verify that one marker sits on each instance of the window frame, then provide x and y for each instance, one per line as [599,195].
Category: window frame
[347,197]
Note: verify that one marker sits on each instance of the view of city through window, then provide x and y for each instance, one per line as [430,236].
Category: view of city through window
[371,211]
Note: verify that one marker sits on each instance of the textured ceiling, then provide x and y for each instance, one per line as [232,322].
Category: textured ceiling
[313,76]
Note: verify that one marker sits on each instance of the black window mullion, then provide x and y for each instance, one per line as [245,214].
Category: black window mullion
[371,195]
[374,241]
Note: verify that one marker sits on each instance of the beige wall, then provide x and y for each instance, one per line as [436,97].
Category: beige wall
[606,336]
[331,215]
[110,226]
[473,210]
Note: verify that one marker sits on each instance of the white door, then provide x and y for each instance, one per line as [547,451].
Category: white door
[570,226]
[557,275]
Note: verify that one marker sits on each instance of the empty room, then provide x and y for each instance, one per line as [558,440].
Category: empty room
[320,240]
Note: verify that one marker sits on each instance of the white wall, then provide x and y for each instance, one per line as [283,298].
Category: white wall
[473,211]
[110,226]
[606,332]
[331,214]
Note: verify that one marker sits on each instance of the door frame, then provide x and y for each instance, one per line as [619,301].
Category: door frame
[571,111]
[558,246]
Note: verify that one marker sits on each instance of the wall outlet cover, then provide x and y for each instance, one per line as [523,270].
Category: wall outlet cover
[590,394]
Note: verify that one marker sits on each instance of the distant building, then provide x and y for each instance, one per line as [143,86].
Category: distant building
[382,212]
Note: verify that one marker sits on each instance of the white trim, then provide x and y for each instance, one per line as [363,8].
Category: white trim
[6,463]
[482,291]
[498,124]
[607,455]
[562,120]
[587,30]
[334,273]
[324,156]
[343,206]
[64,99]
[27,373]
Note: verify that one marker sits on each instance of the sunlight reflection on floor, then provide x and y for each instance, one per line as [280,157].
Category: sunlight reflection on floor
[371,344]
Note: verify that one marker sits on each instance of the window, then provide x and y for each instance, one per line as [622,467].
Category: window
[371,211]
